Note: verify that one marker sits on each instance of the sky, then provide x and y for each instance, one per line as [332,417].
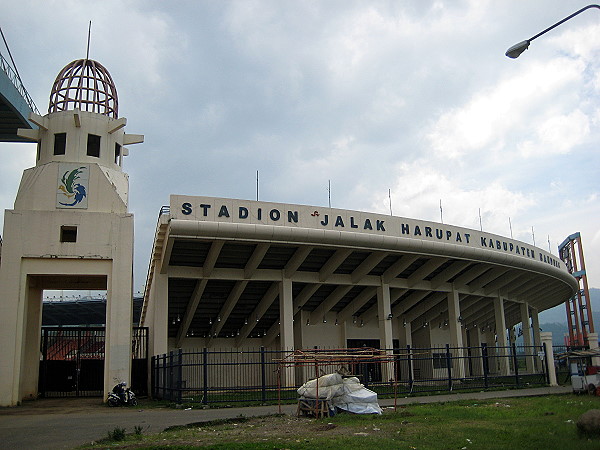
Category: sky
[412,101]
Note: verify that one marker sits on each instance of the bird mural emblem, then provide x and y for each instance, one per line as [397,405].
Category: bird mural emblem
[71,188]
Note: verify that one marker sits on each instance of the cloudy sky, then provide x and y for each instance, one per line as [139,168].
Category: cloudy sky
[411,96]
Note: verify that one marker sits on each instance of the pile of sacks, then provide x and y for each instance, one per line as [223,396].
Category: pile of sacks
[347,394]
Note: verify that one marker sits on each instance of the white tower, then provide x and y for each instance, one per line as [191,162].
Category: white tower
[70,227]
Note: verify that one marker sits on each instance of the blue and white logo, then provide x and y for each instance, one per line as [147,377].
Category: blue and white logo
[73,180]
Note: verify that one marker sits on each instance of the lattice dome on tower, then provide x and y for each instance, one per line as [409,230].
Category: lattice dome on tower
[86,85]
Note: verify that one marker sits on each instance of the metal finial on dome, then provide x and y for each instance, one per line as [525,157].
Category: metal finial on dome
[86,85]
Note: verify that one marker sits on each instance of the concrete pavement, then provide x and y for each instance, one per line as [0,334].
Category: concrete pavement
[68,423]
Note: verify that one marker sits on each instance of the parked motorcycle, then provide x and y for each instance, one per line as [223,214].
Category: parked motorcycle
[121,396]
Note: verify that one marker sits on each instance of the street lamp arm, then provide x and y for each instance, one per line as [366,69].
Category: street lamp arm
[519,48]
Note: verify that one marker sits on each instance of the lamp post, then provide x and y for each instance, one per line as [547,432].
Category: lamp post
[519,48]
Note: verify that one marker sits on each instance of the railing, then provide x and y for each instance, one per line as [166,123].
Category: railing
[231,376]
[16,81]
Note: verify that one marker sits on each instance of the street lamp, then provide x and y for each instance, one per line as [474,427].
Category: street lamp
[519,48]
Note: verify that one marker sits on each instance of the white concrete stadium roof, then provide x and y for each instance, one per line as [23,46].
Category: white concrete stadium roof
[224,259]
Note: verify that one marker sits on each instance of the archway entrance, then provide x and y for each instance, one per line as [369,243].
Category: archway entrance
[73,340]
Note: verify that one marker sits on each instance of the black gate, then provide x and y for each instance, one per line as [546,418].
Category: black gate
[72,361]
[139,367]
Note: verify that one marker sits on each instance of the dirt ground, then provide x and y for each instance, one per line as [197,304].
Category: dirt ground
[287,430]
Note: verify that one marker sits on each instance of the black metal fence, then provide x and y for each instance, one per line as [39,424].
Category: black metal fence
[72,361]
[230,376]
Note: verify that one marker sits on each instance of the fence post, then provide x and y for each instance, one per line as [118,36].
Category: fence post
[263,374]
[410,368]
[44,362]
[515,362]
[157,380]
[164,376]
[449,366]
[171,374]
[546,364]
[161,372]
[486,368]
[205,375]
[470,361]
[152,377]
[179,376]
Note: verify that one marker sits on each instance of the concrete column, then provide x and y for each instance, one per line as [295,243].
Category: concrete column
[286,327]
[405,336]
[512,337]
[405,339]
[384,312]
[159,304]
[456,333]
[12,311]
[593,345]
[535,324]
[527,341]
[31,344]
[501,339]
[490,340]
[537,340]
[119,322]
[477,362]
[476,337]
[546,337]
[343,333]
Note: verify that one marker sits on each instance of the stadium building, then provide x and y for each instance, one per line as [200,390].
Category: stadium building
[240,273]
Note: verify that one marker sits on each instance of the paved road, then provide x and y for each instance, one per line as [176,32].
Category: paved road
[68,423]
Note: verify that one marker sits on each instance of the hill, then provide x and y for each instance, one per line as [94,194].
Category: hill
[555,319]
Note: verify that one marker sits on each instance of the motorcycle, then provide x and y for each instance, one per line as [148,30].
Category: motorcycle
[121,396]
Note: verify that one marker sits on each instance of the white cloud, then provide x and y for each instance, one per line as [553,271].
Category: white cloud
[505,108]
[557,135]
[15,158]
[579,41]
[419,188]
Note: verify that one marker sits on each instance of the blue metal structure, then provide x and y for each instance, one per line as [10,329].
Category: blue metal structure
[15,104]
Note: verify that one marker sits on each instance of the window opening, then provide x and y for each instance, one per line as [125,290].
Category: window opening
[60,143]
[117,152]
[93,145]
[68,233]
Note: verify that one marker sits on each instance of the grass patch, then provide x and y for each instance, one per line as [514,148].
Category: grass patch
[524,423]
[118,434]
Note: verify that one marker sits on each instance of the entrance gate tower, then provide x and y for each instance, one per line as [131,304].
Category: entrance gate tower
[70,227]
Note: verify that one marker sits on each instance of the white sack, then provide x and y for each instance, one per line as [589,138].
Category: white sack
[347,394]
[329,386]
